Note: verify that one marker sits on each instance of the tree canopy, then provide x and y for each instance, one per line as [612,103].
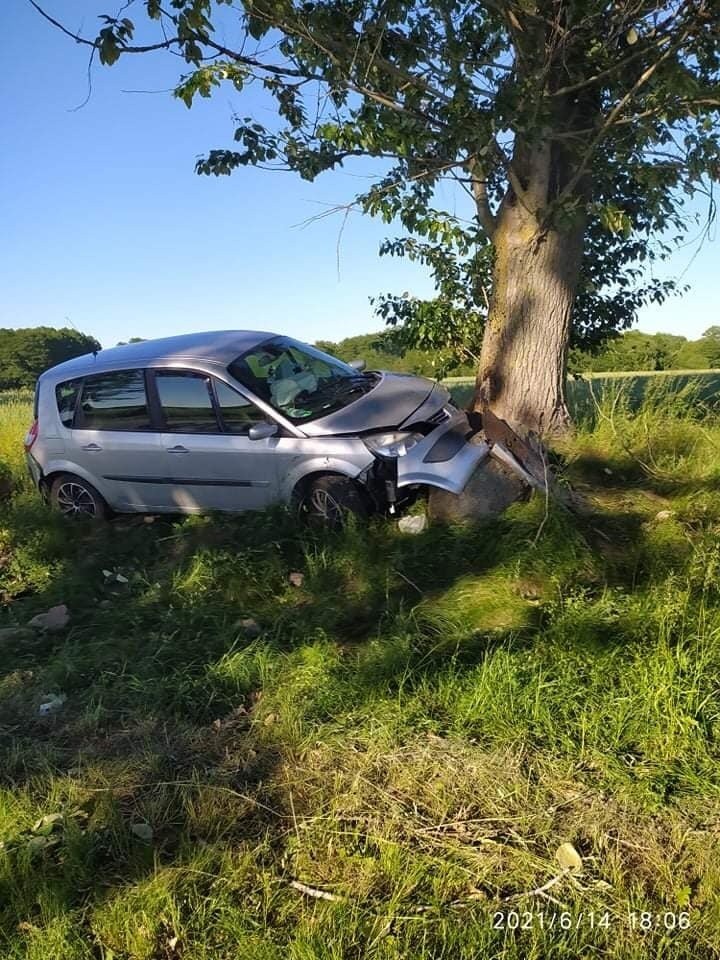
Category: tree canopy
[26,352]
[627,92]
[576,129]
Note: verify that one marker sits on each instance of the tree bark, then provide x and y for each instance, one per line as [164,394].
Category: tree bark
[522,368]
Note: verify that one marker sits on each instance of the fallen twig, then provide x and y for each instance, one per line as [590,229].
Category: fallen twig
[539,891]
[315,893]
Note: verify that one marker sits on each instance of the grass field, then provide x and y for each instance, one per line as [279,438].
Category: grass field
[389,767]
[587,391]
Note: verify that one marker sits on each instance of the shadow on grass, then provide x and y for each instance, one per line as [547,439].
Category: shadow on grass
[177,719]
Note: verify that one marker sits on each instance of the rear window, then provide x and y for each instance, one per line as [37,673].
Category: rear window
[114,401]
[66,395]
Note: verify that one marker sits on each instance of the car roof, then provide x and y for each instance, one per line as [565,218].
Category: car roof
[216,346]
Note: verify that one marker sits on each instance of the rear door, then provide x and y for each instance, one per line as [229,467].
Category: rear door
[115,441]
[213,463]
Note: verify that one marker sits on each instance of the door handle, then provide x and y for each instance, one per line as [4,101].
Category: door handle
[92,447]
[178,449]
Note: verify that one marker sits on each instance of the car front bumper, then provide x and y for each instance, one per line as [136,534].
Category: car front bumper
[446,458]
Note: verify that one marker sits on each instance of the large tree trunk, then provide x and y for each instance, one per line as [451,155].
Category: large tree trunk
[522,369]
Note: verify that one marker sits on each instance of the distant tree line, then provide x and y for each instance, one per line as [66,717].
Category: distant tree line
[26,353]
[633,350]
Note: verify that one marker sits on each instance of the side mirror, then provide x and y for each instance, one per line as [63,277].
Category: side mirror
[358,365]
[262,431]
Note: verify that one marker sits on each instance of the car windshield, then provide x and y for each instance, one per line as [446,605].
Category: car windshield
[299,381]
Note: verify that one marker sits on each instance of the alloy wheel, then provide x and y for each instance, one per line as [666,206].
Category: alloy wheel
[325,506]
[75,500]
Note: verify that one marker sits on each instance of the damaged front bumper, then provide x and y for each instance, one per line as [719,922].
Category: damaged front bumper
[446,458]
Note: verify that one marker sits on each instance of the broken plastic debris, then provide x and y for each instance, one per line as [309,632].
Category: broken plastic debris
[55,619]
[142,830]
[568,857]
[51,704]
[45,825]
[412,524]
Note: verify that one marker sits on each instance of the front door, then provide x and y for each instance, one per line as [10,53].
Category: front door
[212,463]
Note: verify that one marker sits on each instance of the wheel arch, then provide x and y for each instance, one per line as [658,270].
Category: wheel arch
[101,508]
[306,480]
[58,468]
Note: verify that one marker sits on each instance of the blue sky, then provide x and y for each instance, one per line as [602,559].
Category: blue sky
[105,226]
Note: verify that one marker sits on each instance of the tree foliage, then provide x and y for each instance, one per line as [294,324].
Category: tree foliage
[632,350]
[622,96]
[385,351]
[26,352]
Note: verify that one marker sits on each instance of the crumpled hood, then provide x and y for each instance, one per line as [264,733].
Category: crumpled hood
[390,405]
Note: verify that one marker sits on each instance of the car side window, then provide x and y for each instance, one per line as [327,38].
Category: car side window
[66,395]
[186,401]
[114,401]
[237,412]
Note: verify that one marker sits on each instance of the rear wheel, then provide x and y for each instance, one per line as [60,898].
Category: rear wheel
[330,501]
[76,499]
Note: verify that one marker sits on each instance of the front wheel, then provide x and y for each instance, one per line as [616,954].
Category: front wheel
[76,499]
[330,501]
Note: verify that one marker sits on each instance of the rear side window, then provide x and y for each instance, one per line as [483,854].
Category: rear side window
[114,401]
[186,402]
[238,414]
[66,395]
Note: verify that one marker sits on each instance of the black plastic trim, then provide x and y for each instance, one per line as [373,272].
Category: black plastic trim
[189,481]
[449,444]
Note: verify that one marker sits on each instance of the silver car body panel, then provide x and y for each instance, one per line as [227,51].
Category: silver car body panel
[392,402]
[436,400]
[459,458]
[170,472]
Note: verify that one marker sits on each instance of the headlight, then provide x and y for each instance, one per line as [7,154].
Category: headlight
[391,445]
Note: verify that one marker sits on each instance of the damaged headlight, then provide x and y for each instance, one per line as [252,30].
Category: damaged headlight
[391,445]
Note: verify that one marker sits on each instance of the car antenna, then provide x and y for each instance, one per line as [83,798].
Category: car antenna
[95,352]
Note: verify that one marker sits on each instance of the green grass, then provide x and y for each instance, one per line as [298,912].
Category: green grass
[16,412]
[590,389]
[415,731]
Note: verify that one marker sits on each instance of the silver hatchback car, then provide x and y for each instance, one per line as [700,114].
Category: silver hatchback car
[239,420]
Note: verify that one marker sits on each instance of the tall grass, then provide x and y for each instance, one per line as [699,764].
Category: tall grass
[388,767]
[16,414]
[583,392]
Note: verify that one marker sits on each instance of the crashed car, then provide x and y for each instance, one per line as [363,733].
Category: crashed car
[239,420]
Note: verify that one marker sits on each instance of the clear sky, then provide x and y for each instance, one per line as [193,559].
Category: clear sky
[106,227]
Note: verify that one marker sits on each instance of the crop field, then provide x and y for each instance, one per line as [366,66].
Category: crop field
[251,740]
[587,391]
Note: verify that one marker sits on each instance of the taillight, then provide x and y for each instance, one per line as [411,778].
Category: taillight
[31,436]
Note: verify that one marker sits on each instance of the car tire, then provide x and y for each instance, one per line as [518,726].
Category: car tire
[330,501]
[76,499]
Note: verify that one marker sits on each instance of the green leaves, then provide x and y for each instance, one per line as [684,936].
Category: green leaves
[204,80]
[605,116]
[614,219]
[112,38]
[108,47]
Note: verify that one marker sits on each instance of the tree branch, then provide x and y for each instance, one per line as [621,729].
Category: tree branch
[273,69]
[613,116]
[478,183]
[661,35]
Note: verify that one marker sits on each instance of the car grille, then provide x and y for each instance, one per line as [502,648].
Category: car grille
[440,417]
